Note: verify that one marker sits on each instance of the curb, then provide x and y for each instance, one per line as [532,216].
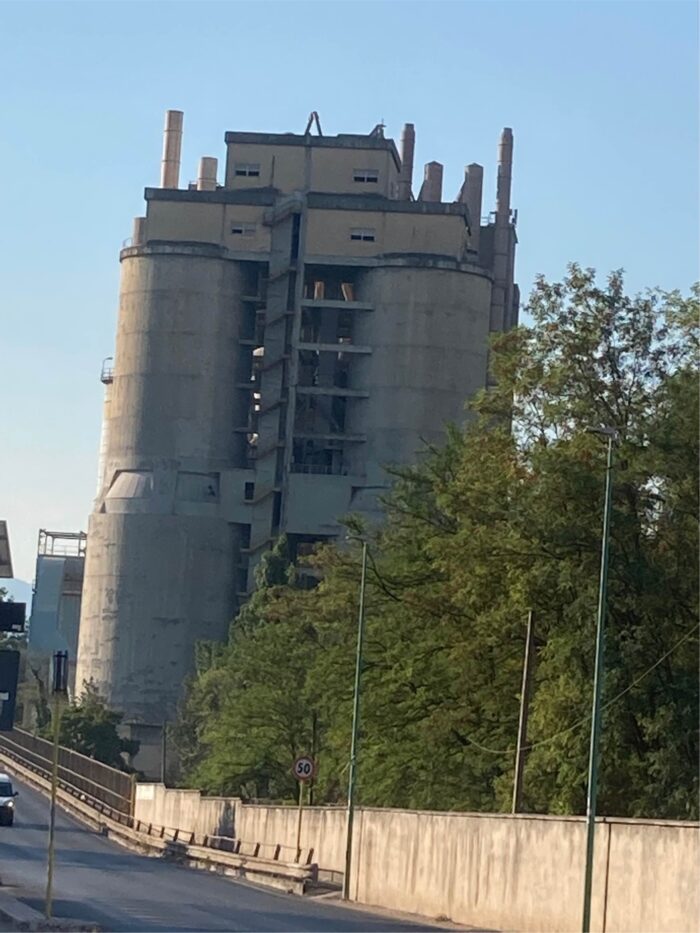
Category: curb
[25,918]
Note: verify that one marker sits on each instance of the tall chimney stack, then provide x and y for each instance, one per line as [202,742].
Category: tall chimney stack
[471,196]
[206,177]
[503,239]
[505,170]
[408,145]
[172,143]
[431,189]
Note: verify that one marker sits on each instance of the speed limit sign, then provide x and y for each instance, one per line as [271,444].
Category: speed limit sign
[304,768]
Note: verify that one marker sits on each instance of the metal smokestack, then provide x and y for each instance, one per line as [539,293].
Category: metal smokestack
[505,170]
[206,177]
[408,145]
[172,143]
[431,189]
[471,196]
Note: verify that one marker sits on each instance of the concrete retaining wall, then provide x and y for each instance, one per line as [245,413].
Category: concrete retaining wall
[186,810]
[322,829]
[509,872]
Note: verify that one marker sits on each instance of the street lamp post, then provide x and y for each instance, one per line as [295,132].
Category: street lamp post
[355,729]
[60,689]
[611,435]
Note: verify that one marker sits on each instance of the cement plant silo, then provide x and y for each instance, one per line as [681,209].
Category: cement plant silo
[283,338]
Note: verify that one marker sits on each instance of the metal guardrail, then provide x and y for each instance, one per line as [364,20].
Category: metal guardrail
[96,780]
[42,767]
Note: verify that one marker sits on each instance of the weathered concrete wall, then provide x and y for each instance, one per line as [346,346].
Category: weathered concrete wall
[186,810]
[526,872]
[508,872]
[512,873]
[653,876]
[322,829]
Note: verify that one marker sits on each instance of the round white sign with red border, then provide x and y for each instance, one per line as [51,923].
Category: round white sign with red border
[304,768]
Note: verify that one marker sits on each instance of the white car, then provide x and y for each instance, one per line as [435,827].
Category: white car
[7,800]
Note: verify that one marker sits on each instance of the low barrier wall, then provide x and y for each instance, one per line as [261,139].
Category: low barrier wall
[526,872]
[187,809]
[259,862]
[322,825]
[520,872]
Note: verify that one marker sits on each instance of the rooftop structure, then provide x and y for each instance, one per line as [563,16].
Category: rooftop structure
[55,615]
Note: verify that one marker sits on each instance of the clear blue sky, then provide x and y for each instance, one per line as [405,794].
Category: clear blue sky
[602,98]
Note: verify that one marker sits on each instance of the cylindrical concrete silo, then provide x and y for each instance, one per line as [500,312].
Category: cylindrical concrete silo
[429,336]
[159,569]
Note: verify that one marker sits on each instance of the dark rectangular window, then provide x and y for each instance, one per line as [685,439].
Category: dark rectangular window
[366,175]
[243,229]
[296,227]
[365,235]
[276,510]
[249,491]
[247,169]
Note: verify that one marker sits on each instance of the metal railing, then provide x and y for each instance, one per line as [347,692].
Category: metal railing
[119,806]
[323,469]
[76,772]
[107,371]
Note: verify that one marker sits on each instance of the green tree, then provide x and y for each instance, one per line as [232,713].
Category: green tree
[247,714]
[89,727]
[504,518]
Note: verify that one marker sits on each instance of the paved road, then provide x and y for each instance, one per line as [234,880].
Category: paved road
[97,880]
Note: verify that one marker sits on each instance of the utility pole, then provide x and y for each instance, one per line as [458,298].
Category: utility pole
[163,751]
[355,729]
[60,688]
[299,814]
[611,435]
[521,753]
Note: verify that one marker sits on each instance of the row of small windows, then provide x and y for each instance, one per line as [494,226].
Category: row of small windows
[366,175]
[360,234]
[243,229]
[365,234]
[247,169]
[252,170]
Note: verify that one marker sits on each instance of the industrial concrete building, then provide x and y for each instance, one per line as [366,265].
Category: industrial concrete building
[55,615]
[282,337]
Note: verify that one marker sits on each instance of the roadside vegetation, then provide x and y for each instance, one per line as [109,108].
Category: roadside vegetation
[505,518]
[88,726]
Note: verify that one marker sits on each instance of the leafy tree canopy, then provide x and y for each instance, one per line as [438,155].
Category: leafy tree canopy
[504,518]
[89,727]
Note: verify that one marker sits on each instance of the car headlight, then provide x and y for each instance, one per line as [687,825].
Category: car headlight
[9,803]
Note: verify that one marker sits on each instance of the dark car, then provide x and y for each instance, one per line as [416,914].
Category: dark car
[7,801]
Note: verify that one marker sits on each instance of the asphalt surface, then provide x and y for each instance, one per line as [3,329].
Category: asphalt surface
[97,880]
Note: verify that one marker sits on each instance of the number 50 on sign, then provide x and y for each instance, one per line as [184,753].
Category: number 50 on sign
[304,768]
